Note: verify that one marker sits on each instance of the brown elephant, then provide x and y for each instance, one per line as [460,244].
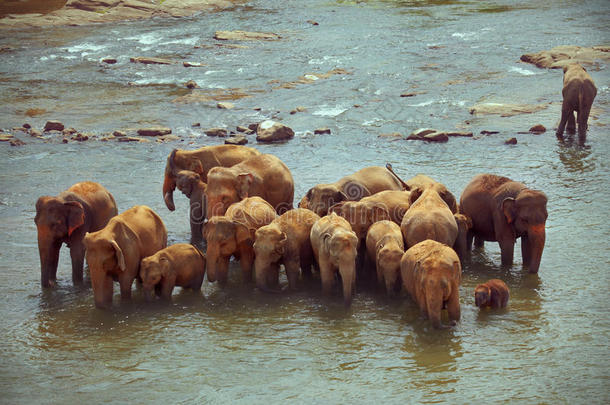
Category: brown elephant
[503,210]
[284,241]
[263,176]
[428,217]
[233,234]
[201,161]
[464,224]
[334,247]
[385,247]
[191,186]
[578,92]
[493,293]
[354,187]
[114,253]
[431,274]
[396,202]
[424,182]
[181,265]
[84,207]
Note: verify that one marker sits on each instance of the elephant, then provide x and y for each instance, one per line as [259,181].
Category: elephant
[191,186]
[494,293]
[201,161]
[464,224]
[578,92]
[428,217]
[334,247]
[115,251]
[503,210]
[264,176]
[396,202]
[180,265]
[385,247]
[233,234]
[424,182]
[284,241]
[84,207]
[354,187]
[431,274]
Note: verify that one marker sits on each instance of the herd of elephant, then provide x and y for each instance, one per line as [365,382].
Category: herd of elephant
[370,227]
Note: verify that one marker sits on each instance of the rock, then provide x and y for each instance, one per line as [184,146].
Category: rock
[466,134]
[110,61]
[506,110]
[298,109]
[128,139]
[154,131]
[6,137]
[225,105]
[322,131]
[412,93]
[220,132]
[32,112]
[196,124]
[151,61]
[511,141]
[241,128]
[191,84]
[65,140]
[35,133]
[17,142]
[119,134]
[272,131]
[27,126]
[428,134]
[561,56]
[312,22]
[80,137]
[537,129]
[192,64]
[486,132]
[236,140]
[68,131]
[390,135]
[22,129]
[436,137]
[418,133]
[92,5]
[53,126]
[245,36]
[253,126]
[168,138]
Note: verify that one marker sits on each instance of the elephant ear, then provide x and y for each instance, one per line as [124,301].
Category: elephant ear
[281,245]
[195,166]
[509,209]
[119,255]
[75,215]
[415,194]
[242,233]
[336,208]
[326,241]
[164,265]
[244,180]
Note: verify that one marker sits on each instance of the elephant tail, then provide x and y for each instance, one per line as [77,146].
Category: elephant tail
[391,170]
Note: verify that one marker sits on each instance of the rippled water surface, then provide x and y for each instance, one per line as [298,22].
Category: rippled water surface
[239,345]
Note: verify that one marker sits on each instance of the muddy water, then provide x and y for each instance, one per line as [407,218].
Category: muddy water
[238,345]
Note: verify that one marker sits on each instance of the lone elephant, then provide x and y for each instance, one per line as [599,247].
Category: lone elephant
[334,247]
[384,248]
[263,176]
[181,265]
[503,210]
[114,253]
[233,234]
[194,189]
[201,161]
[284,241]
[494,294]
[578,92]
[84,207]
[354,187]
[431,274]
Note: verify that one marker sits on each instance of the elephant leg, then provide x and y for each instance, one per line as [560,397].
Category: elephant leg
[196,218]
[292,272]
[565,113]
[125,283]
[507,248]
[306,263]
[526,253]
[102,289]
[571,126]
[469,239]
[327,276]
[479,242]
[583,118]
[434,305]
[167,287]
[246,261]
[77,254]
[453,307]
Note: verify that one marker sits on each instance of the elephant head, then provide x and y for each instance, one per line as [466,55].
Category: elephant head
[446,196]
[106,261]
[177,161]
[341,248]
[361,215]
[482,295]
[464,223]
[388,264]
[321,197]
[188,181]
[269,248]
[440,289]
[526,216]
[56,220]
[223,237]
[225,188]
[153,270]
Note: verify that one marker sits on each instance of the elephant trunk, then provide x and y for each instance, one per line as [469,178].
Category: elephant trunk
[49,258]
[102,288]
[347,270]
[261,268]
[536,237]
[217,267]
[434,306]
[148,293]
[169,185]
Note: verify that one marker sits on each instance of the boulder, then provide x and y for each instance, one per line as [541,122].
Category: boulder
[168,138]
[192,64]
[322,131]
[6,137]
[27,126]
[272,131]
[53,126]
[421,132]
[561,56]
[236,140]
[241,128]
[35,133]
[298,109]
[486,132]
[191,84]
[245,36]
[220,132]
[465,134]
[428,134]
[253,126]
[110,61]
[511,141]
[436,137]
[119,134]
[390,135]
[537,129]
[80,137]
[69,131]
[128,139]
[151,61]
[225,105]
[154,131]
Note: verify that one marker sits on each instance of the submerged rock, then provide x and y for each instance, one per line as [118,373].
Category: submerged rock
[6,137]
[53,126]
[191,84]
[239,35]
[272,131]
[151,61]
[17,142]
[110,61]
[506,110]
[322,131]
[225,105]
[154,131]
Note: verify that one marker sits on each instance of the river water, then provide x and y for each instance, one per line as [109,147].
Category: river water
[238,345]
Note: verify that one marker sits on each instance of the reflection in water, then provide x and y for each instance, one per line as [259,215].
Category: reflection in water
[575,157]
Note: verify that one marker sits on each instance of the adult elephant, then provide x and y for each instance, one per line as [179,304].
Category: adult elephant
[84,207]
[424,182]
[363,183]
[264,176]
[201,161]
[578,92]
[503,210]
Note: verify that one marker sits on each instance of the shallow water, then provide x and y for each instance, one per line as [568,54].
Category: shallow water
[239,345]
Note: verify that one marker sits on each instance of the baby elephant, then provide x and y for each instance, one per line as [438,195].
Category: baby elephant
[385,247]
[191,186]
[284,241]
[493,293]
[431,274]
[578,94]
[180,265]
